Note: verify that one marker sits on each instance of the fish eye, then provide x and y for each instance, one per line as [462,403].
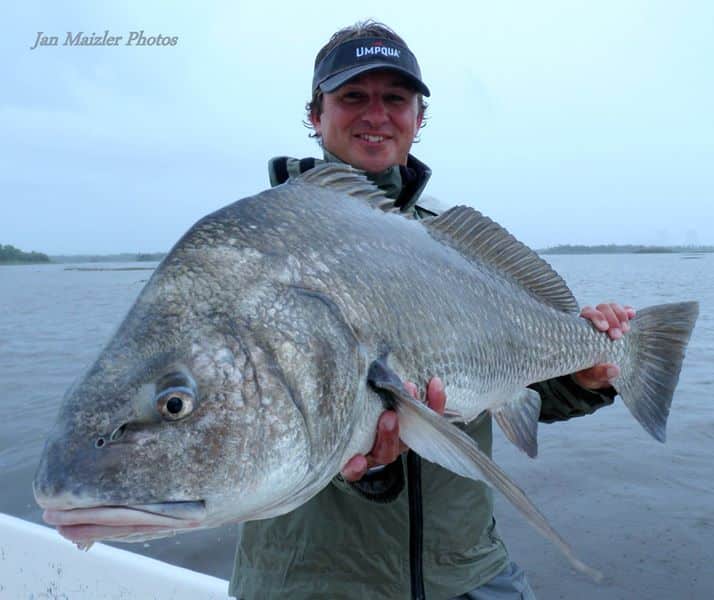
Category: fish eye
[175,403]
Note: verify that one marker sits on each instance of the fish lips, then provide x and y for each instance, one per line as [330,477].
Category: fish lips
[86,525]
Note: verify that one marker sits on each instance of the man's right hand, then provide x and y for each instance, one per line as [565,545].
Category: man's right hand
[387,445]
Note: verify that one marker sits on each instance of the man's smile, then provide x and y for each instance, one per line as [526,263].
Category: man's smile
[372,138]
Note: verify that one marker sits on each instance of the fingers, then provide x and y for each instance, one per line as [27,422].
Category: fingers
[387,445]
[436,395]
[412,389]
[597,377]
[614,319]
[387,448]
[355,468]
[610,317]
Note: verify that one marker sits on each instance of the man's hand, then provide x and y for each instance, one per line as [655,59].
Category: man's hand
[612,318]
[387,446]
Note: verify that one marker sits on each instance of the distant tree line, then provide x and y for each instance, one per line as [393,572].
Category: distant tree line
[150,256]
[622,249]
[103,258]
[11,255]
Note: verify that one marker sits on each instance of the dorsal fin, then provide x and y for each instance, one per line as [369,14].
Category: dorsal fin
[478,237]
[346,179]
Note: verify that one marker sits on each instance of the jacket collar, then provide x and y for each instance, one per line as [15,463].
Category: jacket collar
[402,183]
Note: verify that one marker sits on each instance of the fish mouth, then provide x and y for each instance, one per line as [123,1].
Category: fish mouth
[132,522]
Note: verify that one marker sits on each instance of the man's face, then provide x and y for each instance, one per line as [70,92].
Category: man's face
[370,122]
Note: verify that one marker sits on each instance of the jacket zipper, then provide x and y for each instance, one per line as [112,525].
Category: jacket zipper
[416,526]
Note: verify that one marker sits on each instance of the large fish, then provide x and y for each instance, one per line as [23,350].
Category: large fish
[256,361]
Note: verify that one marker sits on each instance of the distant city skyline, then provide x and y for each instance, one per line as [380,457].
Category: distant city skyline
[567,124]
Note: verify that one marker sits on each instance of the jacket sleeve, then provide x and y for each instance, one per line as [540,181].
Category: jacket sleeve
[562,399]
[380,485]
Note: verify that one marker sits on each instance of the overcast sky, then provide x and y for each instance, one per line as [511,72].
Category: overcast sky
[566,121]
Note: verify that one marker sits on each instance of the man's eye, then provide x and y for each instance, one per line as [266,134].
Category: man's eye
[394,98]
[352,96]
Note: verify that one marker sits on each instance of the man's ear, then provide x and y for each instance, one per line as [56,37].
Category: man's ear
[316,123]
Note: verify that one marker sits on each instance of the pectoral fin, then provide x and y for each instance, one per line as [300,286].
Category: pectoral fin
[440,442]
[518,419]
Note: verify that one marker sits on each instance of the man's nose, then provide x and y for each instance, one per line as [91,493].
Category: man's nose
[375,112]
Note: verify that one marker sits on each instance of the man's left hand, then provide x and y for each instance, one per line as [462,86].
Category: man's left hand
[612,318]
[387,445]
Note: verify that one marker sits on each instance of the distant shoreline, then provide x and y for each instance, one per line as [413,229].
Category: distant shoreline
[109,268]
[108,258]
[10,255]
[625,249]
[125,257]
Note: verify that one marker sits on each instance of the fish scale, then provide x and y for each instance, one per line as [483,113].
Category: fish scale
[390,298]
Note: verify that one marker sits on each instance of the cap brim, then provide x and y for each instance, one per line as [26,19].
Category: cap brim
[339,79]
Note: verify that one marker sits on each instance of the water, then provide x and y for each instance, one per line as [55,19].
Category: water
[54,321]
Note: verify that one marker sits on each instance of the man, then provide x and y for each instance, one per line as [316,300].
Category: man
[352,539]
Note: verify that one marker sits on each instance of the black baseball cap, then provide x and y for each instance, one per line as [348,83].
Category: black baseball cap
[357,56]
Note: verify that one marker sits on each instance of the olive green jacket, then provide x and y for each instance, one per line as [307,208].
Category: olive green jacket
[351,541]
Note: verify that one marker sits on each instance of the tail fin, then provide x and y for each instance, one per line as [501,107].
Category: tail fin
[646,383]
